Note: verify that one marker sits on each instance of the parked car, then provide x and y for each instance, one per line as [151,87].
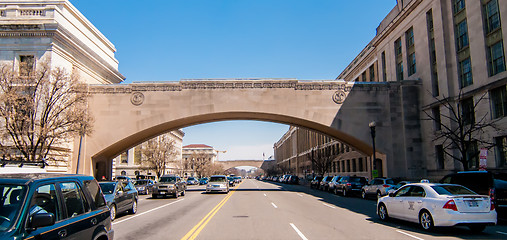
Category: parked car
[324,184]
[434,204]
[293,179]
[378,187]
[350,185]
[315,183]
[121,196]
[42,206]
[203,181]
[144,186]
[169,185]
[238,179]
[218,183]
[485,183]
[402,183]
[192,181]
[333,183]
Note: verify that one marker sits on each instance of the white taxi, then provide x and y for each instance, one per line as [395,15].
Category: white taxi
[434,204]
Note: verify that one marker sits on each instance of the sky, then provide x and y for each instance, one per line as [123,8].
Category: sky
[170,40]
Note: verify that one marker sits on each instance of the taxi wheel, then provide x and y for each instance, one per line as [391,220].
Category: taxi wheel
[382,212]
[113,212]
[426,220]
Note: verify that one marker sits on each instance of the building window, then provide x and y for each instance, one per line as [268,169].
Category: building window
[499,102]
[462,35]
[501,151]
[467,111]
[491,16]
[433,54]
[26,65]
[439,153]
[384,73]
[348,165]
[437,123]
[354,165]
[411,64]
[124,158]
[399,59]
[458,5]
[361,165]
[363,77]
[472,154]
[465,70]
[496,58]
[372,73]
[409,35]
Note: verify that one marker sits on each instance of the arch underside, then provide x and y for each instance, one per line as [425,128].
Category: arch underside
[126,143]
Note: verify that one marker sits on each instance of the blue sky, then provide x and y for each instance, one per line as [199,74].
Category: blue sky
[169,40]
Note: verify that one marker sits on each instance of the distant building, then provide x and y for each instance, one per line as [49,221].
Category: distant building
[129,162]
[196,150]
[293,154]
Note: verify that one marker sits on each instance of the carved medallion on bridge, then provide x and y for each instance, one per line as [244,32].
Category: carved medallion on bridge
[137,98]
[339,96]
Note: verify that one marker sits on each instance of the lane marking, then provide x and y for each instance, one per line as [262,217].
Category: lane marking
[298,232]
[299,194]
[274,205]
[410,235]
[327,205]
[265,195]
[194,232]
[501,232]
[151,210]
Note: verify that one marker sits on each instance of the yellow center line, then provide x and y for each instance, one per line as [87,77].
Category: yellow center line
[194,232]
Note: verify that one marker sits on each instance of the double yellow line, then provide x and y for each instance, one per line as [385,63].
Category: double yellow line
[192,234]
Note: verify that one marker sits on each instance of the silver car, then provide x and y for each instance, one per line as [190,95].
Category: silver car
[218,183]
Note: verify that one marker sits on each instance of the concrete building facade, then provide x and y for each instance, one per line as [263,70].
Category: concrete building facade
[199,151]
[456,50]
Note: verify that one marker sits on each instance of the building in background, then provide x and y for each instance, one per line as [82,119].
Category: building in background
[296,148]
[130,164]
[55,31]
[195,154]
[456,50]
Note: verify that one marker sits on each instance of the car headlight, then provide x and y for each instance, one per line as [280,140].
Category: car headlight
[140,188]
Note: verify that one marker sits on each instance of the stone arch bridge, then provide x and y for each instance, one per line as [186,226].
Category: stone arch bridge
[129,114]
[262,164]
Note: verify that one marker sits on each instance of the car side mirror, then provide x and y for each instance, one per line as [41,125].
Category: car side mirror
[391,193]
[41,220]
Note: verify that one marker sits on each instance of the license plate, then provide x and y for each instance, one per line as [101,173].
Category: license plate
[473,203]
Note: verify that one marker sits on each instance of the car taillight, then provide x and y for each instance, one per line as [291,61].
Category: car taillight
[386,186]
[492,198]
[450,205]
[348,184]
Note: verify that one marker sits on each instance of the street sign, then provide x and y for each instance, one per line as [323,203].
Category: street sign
[483,159]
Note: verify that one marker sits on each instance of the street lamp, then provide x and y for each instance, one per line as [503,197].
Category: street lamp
[372,126]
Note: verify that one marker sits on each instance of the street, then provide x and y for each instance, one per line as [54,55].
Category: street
[267,210]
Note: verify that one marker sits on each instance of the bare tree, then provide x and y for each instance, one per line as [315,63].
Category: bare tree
[213,169]
[198,163]
[157,153]
[40,110]
[322,160]
[464,132]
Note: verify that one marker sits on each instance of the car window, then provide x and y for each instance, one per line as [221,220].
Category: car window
[107,187]
[73,199]
[44,200]
[389,181]
[10,204]
[452,190]
[167,179]
[417,191]
[217,179]
[402,192]
[93,188]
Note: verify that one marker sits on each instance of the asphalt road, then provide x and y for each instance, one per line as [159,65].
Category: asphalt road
[266,210]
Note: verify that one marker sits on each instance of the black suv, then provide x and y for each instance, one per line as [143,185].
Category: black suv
[484,183]
[52,206]
[350,184]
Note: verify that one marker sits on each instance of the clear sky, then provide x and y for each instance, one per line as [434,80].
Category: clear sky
[169,40]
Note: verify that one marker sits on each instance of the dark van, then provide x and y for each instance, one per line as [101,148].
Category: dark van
[52,206]
[484,183]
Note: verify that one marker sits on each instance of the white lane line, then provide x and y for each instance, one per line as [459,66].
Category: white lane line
[298,232]
[151,210]
[327,205]
[274,205]
[501,232]
[410,235]
[265,195]
[299,194]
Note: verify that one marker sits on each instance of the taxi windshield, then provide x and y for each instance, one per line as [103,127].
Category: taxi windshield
[10,204]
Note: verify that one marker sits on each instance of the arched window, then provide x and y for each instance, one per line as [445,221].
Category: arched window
[136,173]
[123,173]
